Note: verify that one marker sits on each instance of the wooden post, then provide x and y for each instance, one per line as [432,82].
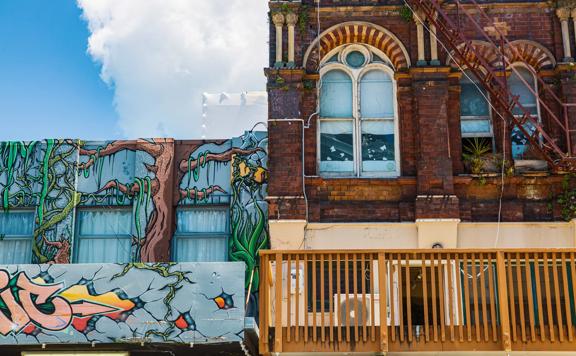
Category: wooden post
[503,302]
[278,313]
[383,303]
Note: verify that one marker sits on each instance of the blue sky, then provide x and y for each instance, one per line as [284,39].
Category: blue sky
[50,86]
[108,69]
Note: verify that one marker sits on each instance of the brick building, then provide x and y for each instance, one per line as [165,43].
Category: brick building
[400,127]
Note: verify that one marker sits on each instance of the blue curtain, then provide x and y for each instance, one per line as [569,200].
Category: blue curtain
[201,235]
[336,94]
[104,236]
[16,230]
[376,95]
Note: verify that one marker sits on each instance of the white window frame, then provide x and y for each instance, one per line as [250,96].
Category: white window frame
[488,117]
[356,75]
[538,113]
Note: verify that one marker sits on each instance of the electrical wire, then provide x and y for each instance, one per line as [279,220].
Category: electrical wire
[493,110]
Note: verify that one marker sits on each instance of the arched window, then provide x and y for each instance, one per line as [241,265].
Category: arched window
[358,125]
[475,123]
[528,100]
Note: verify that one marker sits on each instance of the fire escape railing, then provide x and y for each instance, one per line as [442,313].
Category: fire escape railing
[495,85]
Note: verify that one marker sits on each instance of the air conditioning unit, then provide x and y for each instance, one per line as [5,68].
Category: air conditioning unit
[358,308]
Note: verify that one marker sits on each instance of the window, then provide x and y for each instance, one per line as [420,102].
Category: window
[104,236]
[16,233]
[201,234]
[358,126]
[528,100]
[475,122]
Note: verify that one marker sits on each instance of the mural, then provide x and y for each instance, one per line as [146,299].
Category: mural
[182,303]
[150,177]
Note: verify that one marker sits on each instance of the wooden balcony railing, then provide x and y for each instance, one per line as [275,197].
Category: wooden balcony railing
[417,300]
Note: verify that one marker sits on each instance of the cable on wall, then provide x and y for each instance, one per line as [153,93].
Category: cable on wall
[493,110]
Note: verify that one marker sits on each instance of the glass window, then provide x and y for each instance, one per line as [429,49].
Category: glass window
[336,95]
[378,146]
[16,233]
[357,117]
[528,100]
[104,236]
[336,146]
[376,95]
[355,59]
[474,109]
[201,234]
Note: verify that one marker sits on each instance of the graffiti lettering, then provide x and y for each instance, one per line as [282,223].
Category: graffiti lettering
[36,303]
[24,302]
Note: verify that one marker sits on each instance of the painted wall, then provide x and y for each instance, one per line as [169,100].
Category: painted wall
[104,303]
[152,176]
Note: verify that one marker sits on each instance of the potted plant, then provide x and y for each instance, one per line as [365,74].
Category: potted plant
[478,159]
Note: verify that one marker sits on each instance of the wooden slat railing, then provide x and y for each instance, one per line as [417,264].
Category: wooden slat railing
[417,300]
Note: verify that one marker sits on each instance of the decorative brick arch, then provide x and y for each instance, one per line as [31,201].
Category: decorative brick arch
[529,52]
[357,32]
[485,49]
[532,53]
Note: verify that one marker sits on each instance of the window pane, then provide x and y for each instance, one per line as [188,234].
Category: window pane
[378,146]
[110,222]
[104,250]
[200,249]
[475,127]
[336,146]
[336,95]
[16,251]
[202,220]
[472,99]
[16,229]
[526,98]
[376,95]
[520,143]
[16,223]
[355,59]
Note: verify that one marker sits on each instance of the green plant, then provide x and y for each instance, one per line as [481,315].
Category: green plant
[567,198]
[474,154]
[406,13]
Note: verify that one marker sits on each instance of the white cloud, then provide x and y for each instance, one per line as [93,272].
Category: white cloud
[161,55]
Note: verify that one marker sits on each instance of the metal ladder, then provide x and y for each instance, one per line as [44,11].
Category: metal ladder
[560,159]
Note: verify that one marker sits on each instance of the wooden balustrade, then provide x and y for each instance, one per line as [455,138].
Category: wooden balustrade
[417,300]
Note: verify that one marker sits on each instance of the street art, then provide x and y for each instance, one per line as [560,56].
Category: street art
[54,177]
[121,303]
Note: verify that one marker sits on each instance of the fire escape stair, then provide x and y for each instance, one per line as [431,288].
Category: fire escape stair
[560,156]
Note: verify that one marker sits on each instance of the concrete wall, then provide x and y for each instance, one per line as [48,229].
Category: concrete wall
[294,235]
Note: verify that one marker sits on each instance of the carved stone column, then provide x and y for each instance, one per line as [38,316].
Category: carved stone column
[278,20]
[433,44]
[564,14]
[419,19]
[291,20]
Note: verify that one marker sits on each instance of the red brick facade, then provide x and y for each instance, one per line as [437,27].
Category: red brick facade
[433,181]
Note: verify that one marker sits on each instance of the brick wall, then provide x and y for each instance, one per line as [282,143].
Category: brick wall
[432,184]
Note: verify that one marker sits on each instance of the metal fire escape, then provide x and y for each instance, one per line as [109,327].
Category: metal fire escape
[559,155]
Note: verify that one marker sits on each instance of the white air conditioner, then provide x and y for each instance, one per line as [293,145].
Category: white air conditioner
[358,308]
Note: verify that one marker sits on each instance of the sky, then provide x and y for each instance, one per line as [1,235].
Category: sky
[110,69]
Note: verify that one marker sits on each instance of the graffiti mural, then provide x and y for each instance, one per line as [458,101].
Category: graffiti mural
[183,303]
[150,177]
